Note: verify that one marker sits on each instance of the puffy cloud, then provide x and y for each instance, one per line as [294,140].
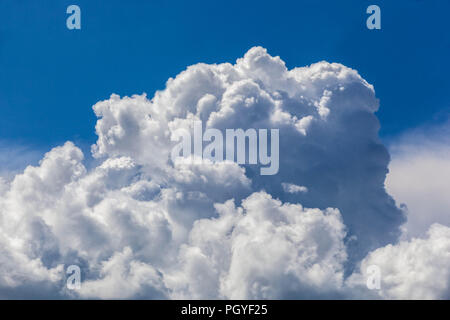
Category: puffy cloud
[122,277]
[415,269]
[264,249]
[318,109]
[418,266]
[142,225]
[419,177]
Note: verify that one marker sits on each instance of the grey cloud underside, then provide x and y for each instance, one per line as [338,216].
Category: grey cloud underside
[141,226]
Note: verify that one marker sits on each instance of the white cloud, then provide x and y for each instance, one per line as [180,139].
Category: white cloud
[264,249]
[121,277]
[141,226]
[415,269]
[293,188]
[419,177]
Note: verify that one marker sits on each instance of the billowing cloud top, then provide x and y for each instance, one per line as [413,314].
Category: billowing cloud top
[142,226]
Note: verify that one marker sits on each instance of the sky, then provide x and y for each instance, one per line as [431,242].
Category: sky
[132,47]
[88,126]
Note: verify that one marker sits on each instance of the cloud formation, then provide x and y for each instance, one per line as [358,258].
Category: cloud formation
[142,226]
[419,177]
[414,269]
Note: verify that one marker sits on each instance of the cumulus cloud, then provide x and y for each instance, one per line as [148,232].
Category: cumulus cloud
[419,177]
[418,266]
[414,269]
[264,249]
[123,277]
[142,226]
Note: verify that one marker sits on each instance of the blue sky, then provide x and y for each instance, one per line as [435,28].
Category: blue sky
[51,76]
